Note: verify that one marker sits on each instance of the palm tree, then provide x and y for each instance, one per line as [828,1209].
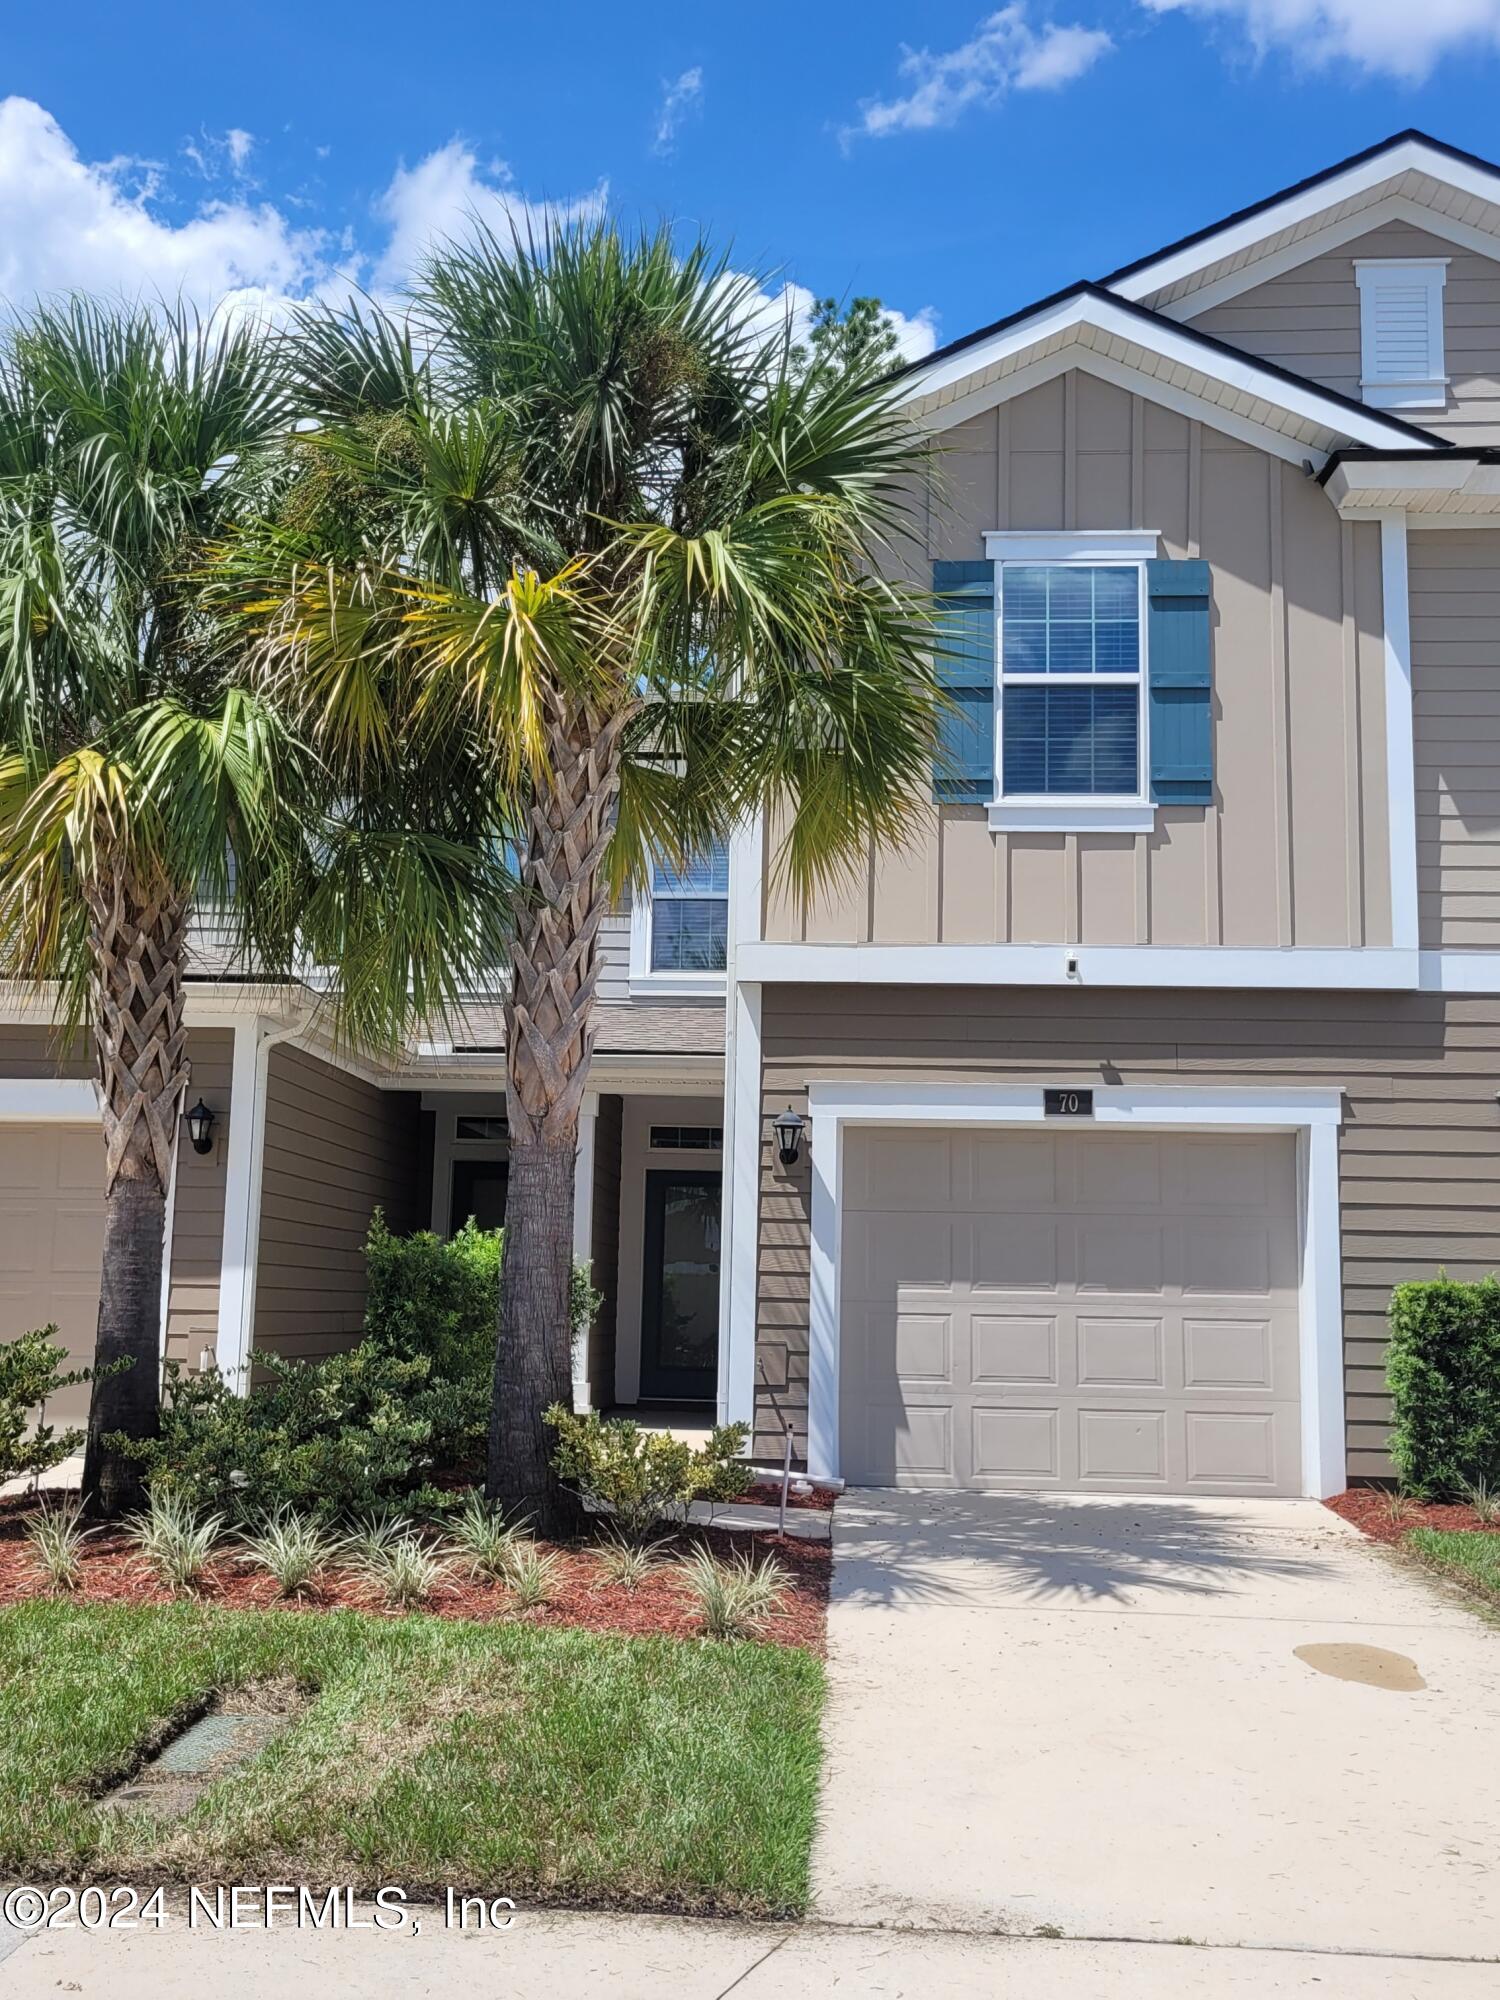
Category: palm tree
[613,518]
[140,776]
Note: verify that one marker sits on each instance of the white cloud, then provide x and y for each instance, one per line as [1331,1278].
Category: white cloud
[1400,38]
[916,333]
[444,194]
[67,224]
[1004,53]
[238,144]
[679,99]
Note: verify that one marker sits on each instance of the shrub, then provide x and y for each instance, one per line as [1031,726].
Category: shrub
[734,1596]
[31,1371]
[57,1536]
[327,1437]
[438,1299]
[1443,1368]
[641,1476]
[174,1540]
[292,1548]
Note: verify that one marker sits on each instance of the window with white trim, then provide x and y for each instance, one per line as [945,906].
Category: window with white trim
[690,914]
[1071,722]
[1402,361]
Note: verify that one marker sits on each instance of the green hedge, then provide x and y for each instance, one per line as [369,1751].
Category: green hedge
[1443,1369]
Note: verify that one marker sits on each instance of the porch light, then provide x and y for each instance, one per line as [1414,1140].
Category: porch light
[788,1129]
[200,1124]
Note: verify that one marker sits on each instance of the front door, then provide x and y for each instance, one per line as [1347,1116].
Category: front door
[680,1306]
[479,1192]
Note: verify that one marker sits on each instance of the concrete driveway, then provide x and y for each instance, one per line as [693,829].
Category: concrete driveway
[1091,1714]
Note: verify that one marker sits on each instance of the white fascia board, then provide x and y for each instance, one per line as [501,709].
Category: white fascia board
[1411,156]
[49,1100]
[1175,346]
[1362,488]
[1321,243]
[1360,969]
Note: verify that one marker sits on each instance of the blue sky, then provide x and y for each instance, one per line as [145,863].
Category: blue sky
[956,159]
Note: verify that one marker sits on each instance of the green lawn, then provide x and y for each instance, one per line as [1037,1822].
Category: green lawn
[555,1765]
[1470,1559]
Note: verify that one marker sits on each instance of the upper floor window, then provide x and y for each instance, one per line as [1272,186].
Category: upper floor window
[1070,680]
[682,928]
[1402,364]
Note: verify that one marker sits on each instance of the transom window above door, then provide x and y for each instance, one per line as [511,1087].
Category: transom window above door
[680,931]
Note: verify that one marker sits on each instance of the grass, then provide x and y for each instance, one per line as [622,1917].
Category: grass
[550,1764]
[1470,1559]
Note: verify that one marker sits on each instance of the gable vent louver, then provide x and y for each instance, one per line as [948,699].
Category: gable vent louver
[1402,362]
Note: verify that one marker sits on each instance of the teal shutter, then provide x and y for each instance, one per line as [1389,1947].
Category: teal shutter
[963,765]
[1180,651]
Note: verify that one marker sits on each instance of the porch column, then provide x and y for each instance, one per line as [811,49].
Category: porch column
[583,1234]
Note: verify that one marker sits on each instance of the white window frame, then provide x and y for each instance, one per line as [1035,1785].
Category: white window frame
[645,983]
[1428,391]
[1054,812]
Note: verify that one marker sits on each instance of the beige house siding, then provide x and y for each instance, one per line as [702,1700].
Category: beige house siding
[336,1148]
[1294,850]
[1419,1159]
[198,1209]
[1308,320]
[1455,645]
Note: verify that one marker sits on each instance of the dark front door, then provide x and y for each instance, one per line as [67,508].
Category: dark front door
[479,1190]
[680,1308]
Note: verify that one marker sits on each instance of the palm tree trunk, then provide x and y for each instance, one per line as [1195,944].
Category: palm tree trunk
[549,1045]
[137,938]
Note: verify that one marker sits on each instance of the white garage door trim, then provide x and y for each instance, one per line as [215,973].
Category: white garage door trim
[1314,1116]
[48,1101]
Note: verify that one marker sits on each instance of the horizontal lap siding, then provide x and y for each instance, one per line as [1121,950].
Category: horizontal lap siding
[336,1149]
[34,1052]
[1455,645]
[1419,1152]
[1308,320]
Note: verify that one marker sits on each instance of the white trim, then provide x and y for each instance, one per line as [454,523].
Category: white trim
[741,1208]
[169,1220]
[243,1167]
[1360,969]
[1459,971]
[1400,730]
[1313,1115]
[747,868]
[1428,389]
[1236,238]
[1191,305]
[583,1232]
[1364,489]
[1064,815]
[1080,545]
[49,1100]
[1178,349]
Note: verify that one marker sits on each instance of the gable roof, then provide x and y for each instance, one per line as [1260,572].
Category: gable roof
[1094,328]
[1450,191]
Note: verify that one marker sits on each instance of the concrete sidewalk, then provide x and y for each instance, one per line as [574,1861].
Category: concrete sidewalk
[1098,1714]
[575,1956]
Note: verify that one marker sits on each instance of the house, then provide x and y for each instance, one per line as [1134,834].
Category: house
[1170,1044]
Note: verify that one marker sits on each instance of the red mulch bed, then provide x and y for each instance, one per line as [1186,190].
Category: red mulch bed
[1367,1508]
[659,1606]
[819,1501]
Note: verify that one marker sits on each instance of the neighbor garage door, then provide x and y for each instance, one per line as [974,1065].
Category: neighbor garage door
[1072,1309]
[52,1239]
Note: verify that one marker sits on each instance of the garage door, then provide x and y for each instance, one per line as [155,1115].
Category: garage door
[1080,1310]
[52,1240]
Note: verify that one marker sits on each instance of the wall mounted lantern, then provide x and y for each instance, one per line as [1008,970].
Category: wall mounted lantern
[788,1127]
[200,1124]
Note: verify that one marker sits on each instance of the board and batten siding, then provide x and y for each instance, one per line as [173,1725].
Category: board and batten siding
[33,1051]
[1419,1152]
[1455,647]
[1293,850]
[1308,320]
[336,1149]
